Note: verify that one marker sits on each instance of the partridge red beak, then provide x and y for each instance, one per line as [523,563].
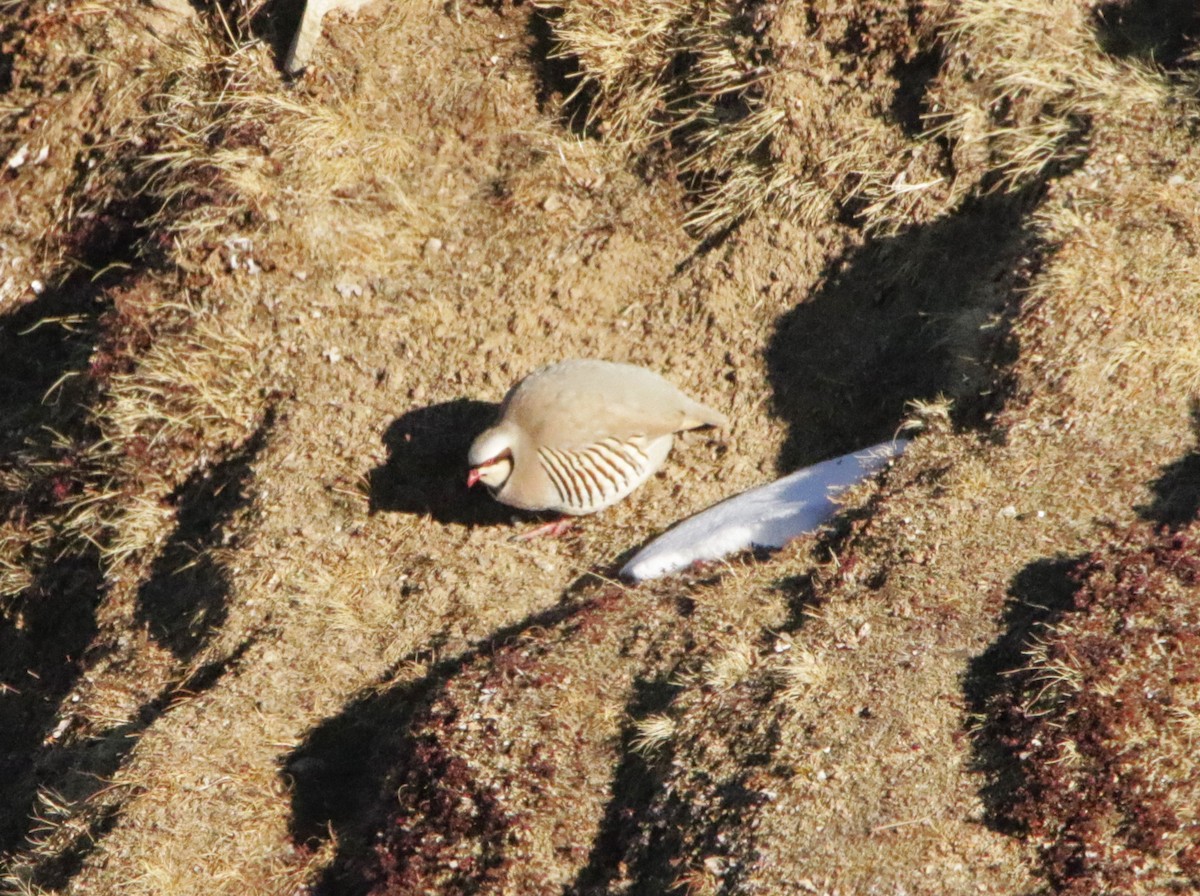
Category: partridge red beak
[472,477]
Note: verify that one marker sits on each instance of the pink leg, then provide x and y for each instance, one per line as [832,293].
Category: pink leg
[551,530]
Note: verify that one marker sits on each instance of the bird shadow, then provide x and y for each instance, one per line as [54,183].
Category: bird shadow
[426,466]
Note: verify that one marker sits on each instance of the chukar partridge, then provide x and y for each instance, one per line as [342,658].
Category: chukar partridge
[577,436]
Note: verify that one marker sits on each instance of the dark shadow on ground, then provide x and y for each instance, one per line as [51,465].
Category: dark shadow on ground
[45,342]
[1039,595]
[345,775]
[45,629]
[913,316]
[426,469]
[648,831]
[913,77]
[185,597]
[558,76]
[275,24]
[1177,491]
[1156,31]
[8,31]
[51,352]
[43,637]
[79,772]
[627,834]
[57,351]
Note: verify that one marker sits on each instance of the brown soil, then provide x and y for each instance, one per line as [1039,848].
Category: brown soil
[255,634]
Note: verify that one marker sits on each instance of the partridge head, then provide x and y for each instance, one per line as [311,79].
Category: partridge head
[578,436]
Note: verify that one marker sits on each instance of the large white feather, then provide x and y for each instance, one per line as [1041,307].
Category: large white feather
[768,516]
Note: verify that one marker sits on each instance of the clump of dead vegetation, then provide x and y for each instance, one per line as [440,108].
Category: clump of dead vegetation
[500,779]
[120,384]
[981,96]
[1103,723]
[155,384]
[729,88]
[676,74]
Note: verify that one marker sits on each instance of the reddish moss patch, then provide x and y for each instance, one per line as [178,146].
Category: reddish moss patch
[449,830]
[1105,724]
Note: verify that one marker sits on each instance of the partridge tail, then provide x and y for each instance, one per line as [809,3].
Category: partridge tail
[696,415]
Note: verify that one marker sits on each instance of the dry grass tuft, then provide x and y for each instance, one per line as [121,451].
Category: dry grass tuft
[1125,241]
[194,396]
[799,673]
[347,195]
[1021,84]
[652,734]
[678,74]
[730,88]
[834,147]
[984,95]
[729,666]
[652,70]
[176,159]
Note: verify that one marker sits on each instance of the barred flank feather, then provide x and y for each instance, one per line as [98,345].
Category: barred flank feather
[589,478]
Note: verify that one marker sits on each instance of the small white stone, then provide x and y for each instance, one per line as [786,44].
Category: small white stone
[38,287]
[18,158]
[332,355]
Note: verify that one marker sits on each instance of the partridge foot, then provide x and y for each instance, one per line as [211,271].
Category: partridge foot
[550,530]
